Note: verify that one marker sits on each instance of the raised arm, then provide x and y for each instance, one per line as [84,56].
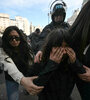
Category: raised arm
[49,67]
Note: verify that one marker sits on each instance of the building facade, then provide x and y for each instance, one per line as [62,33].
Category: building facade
[33,28]
[84,2]
[4,21]
[20,22]
[75,14]
[73,17]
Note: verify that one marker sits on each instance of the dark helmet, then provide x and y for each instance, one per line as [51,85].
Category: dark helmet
[58,7]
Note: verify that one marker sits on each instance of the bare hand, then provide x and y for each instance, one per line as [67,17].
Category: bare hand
[38,57]
[27,82]
[71,54]
[57,54]
[85,76]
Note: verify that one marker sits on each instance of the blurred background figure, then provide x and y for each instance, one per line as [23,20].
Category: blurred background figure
[0,41]
[34,39]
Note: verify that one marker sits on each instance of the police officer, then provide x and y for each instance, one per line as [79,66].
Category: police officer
[58,14]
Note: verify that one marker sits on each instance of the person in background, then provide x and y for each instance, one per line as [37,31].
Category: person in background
[1,68]
[0,41]
[34,39]
[80,31]
[58,14]
[17,57]
[1,65]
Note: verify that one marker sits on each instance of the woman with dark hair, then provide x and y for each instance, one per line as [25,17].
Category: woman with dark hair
[55,69]
[80,32]
[17,57]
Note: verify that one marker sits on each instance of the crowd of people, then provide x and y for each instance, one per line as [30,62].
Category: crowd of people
[56,59]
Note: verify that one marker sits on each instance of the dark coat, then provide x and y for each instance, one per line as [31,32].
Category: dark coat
[84,87]
[34,39]
[58,80]
[48,28]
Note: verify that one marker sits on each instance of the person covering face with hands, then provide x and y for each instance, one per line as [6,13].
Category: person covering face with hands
[55,71]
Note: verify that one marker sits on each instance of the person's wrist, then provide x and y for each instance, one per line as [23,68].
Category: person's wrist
[22,80]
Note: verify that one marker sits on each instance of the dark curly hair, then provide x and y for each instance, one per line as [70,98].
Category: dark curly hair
[24,49]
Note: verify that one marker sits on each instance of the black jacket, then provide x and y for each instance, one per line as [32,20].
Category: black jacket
[34,39]
[48,28]
[84,87]
[58,79]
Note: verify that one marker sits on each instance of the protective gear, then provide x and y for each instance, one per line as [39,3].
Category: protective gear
[58,7]
[55,6]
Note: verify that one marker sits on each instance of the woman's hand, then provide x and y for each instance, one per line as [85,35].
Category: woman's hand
[27,83]
[71,54]
[56,54]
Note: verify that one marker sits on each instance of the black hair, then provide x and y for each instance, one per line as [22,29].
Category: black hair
[80,30]
[23,48]
[37,30]
[55,39]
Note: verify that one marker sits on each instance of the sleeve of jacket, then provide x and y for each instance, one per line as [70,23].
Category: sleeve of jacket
[77,67]
[45,32]
[10,67]
[43,36]
[46,73]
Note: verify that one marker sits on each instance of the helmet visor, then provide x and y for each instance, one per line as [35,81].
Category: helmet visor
[59,6]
